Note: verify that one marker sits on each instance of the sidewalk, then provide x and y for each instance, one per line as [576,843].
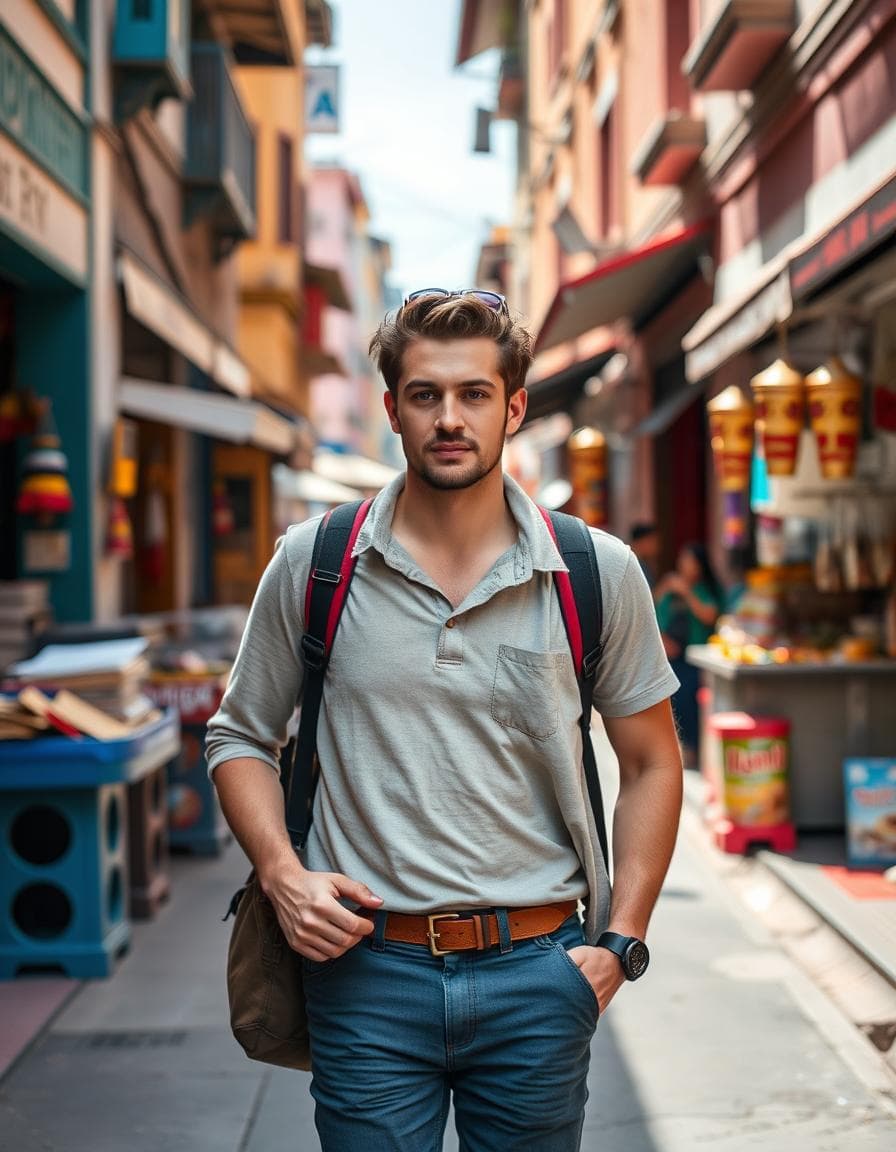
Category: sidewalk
[726,1042]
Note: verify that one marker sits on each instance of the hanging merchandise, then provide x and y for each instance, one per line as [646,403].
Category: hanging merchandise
[835,413]
[731,439]
[44,498]
[154,549]
[119,534]
[780,395]
[587,455]
[44,491]
[223,522]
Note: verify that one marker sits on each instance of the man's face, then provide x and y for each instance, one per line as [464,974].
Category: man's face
[451,411]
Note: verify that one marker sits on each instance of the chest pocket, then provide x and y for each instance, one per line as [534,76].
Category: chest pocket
[525,692]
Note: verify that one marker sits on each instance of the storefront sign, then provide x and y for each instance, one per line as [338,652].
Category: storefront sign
[33,113]
[750,323]
[859,232]
[34,206]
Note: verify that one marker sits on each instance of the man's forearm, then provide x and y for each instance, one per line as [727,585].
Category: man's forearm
[645,825]
[252,801]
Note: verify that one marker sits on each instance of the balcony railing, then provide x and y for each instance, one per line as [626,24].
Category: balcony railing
[219,172]
[150,53]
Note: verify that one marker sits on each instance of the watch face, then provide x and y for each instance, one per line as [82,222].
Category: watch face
[636,960]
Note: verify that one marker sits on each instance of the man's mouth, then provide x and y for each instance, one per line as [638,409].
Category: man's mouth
[450,448]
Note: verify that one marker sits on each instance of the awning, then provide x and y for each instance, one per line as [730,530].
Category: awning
[220,417]
[258,30]
[665,414]
[480,28]
[560,391]
[308,486]
[355,471]
[160,309]
[629,285]
[330,281]
[781,288]
[734,325]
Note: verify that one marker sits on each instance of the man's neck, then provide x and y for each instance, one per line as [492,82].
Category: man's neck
[457,520]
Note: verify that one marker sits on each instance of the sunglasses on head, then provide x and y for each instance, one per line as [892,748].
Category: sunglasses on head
[491,300]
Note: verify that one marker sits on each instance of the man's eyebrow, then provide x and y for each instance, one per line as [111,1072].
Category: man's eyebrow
[463,384]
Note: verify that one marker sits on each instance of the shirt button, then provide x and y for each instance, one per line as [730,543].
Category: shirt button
[449,623]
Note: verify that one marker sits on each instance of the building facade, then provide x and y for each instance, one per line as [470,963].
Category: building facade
[675,160]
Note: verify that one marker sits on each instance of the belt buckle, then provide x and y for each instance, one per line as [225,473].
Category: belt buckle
[433,935]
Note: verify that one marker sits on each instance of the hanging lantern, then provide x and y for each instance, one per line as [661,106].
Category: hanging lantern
[587,455]
[835,413]
[45,491]
[223,522]
[119,534]
[780,395]
[731,438]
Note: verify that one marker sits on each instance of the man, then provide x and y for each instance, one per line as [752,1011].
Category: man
[452,834]
[645,543]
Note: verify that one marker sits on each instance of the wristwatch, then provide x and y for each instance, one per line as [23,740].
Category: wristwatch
[632,953]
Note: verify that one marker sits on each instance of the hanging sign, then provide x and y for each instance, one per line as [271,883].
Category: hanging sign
[322,98]
[863,229]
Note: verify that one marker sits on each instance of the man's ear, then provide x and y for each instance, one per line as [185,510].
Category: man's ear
[392,412]
[516,411]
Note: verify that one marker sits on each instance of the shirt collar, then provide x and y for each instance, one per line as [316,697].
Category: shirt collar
[536,545]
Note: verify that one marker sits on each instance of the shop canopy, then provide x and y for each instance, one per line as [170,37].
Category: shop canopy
[355,471]
[164,312]
[209,414]
[630,285]
[306,485]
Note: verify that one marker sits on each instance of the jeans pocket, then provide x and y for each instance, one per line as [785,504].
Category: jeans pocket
[525,694]
[584,984]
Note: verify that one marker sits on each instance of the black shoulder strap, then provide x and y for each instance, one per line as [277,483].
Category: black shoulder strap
[583,618]
[332,568]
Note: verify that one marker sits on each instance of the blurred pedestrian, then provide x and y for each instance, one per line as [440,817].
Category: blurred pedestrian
[450,775]
[645,543]
[688,603]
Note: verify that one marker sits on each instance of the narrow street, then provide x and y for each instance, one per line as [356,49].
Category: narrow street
[724,1045]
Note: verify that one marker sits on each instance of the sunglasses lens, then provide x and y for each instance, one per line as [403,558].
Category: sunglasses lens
[422,293]
[490,299]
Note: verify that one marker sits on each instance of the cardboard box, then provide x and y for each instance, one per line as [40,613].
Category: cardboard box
[870,791]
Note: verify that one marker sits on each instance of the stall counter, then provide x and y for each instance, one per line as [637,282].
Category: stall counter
[835,710]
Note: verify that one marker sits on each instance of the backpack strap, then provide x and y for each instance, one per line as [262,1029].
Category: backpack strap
[581,605]
[332,568]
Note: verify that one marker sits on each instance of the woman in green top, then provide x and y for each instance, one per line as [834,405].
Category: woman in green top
[688,602]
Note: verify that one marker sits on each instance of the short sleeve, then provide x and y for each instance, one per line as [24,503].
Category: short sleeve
[633,672]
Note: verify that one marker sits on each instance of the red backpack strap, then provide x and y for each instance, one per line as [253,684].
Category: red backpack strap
[581,605]
[332,568]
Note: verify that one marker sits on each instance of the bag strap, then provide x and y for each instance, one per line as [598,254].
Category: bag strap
[332,568]
[581,605]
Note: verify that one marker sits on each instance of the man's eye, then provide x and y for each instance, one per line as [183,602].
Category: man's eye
[423,395]
[477,394]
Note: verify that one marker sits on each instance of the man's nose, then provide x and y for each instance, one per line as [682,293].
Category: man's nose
[450,415]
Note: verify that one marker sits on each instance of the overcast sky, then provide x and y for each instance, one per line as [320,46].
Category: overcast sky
[407,130]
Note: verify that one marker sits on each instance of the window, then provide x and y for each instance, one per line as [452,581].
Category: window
[609,213]
[286,191]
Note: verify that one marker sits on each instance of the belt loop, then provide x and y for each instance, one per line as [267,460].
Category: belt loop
[503,930]
[378,939]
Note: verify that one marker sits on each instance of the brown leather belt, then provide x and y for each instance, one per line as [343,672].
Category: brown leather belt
[447,932]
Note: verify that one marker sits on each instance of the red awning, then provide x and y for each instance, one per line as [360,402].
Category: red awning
[631,284]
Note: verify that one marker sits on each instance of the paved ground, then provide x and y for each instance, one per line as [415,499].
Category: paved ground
[725,1044]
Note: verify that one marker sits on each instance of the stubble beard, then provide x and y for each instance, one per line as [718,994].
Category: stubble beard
[453,478]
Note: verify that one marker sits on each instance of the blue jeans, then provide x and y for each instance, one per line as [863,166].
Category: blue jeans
[395,1031]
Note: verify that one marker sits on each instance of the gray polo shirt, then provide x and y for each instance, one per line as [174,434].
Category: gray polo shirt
[449,745]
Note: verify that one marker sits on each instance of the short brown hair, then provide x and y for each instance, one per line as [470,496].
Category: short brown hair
[452,318]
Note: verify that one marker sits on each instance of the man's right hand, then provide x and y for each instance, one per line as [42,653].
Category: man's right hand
[309,911]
